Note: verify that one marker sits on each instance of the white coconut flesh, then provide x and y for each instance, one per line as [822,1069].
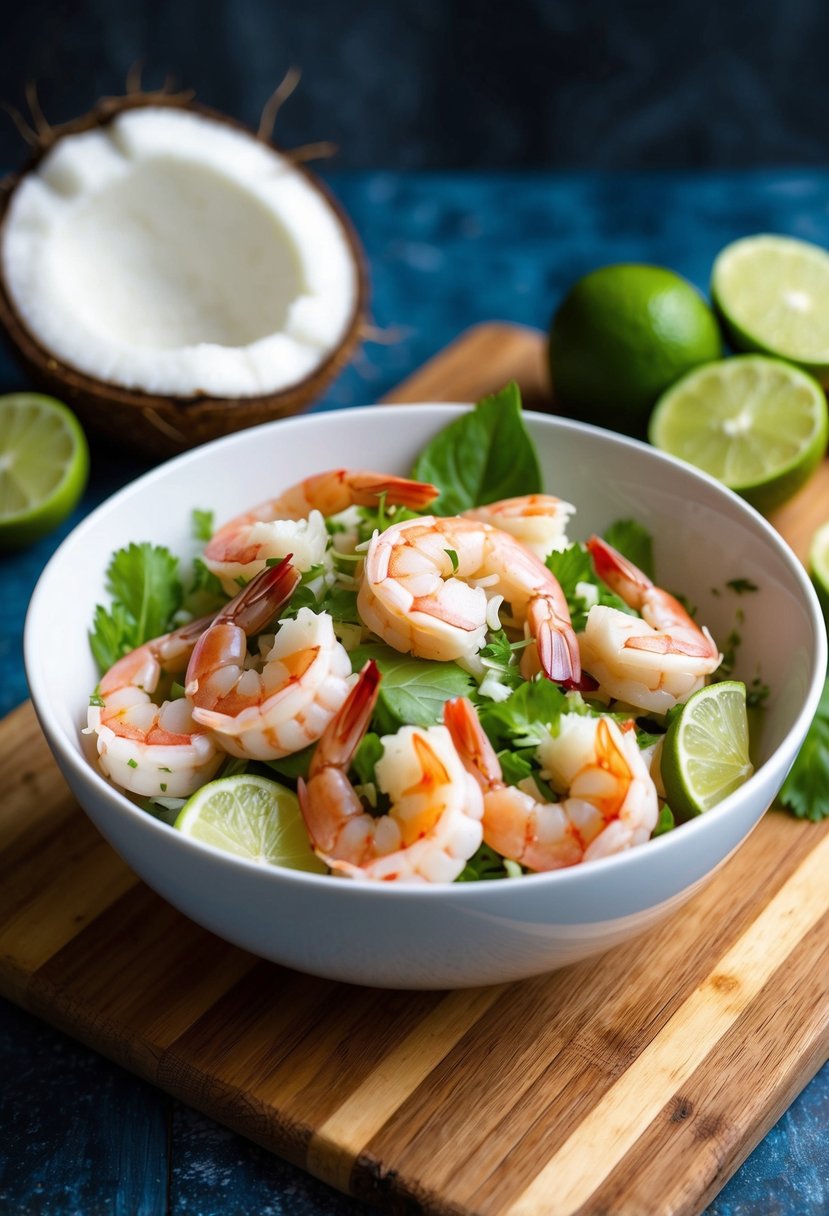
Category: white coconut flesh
[171,253]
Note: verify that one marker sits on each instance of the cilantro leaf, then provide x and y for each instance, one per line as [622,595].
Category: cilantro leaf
[527,716]
[484,455]
[412,691]
[486,864]
[146,593]
[806,789]
[202,524]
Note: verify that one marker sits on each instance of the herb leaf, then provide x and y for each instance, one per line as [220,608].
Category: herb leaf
[146,593]
[482,456]
[412,691]
[806,789]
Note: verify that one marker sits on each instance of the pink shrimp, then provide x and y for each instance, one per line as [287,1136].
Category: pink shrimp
[434,823]
[281,703]
[653,662]
[428,587]
[147,746]
[294,521]
[539,521]
[611,801]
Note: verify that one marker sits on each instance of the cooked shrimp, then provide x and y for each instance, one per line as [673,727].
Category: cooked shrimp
[434,824]
[274,707]
[144,747]
[653,662]
[611,802]
[294,521]
[539,521]
[432,587]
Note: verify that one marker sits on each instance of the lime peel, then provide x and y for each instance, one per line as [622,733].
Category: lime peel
[705,755]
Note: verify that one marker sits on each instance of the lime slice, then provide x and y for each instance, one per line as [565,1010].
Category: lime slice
[819,565]
[251,817]
[705,755]
[757,424]
[44,463]
[772,293]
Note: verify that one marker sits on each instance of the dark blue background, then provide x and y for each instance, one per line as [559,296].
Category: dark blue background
[419,84]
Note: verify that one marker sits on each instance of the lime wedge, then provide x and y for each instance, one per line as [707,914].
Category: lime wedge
[251,817]
[44,463]
[772,293]
[819,565]
[757,424]
[705,754]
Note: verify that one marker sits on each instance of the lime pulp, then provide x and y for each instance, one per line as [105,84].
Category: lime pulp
[44,465]
[705,756]
[251,817]
[758,425]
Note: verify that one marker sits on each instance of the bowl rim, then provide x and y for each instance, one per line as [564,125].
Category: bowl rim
[655,847]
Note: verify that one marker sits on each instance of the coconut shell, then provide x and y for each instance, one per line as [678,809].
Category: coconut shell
[164,425]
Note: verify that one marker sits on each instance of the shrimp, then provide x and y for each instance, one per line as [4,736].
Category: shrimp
[427,589]
[653,662]
[539,521]
[294,522]
[301,680]
[611,802]
[434,824]
[144,747]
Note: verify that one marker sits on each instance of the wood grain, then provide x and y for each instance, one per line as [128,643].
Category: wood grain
[632,1084]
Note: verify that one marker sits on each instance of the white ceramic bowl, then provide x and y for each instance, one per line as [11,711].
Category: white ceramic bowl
[462,934]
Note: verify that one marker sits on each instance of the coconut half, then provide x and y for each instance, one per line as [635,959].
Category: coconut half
[175,276]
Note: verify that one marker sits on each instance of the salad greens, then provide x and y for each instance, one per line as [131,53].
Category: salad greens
[483,456]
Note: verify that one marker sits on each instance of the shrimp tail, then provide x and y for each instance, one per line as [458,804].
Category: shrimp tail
[558,646]
[259,601]
[471,742]
[342,737]
[617,571]
[366,488]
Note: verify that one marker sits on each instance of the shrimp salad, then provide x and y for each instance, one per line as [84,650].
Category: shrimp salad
[455,688]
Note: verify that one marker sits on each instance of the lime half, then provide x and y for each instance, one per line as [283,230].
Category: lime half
[759,425]
[705,755]
[251,817]
[44,463]
[819,565]
[772,293]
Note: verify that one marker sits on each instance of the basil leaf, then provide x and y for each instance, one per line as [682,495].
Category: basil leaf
[482,456]
[412,691]
[634,542]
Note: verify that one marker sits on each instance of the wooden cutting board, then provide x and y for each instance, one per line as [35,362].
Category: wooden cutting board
[635,1083]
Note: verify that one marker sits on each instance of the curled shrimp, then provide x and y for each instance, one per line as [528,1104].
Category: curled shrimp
[610,804]
[274,707]
[294,522]
[651,662]
[147,747]
[428,585]
[434,823]
[539,521]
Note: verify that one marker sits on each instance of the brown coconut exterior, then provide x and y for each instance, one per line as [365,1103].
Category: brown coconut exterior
[162,426]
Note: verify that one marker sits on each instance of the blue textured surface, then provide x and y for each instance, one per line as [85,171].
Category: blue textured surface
[82,1137]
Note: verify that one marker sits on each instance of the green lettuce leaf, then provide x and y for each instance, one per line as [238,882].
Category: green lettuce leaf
[412,691]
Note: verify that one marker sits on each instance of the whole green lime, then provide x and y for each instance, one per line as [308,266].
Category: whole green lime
[622,335]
